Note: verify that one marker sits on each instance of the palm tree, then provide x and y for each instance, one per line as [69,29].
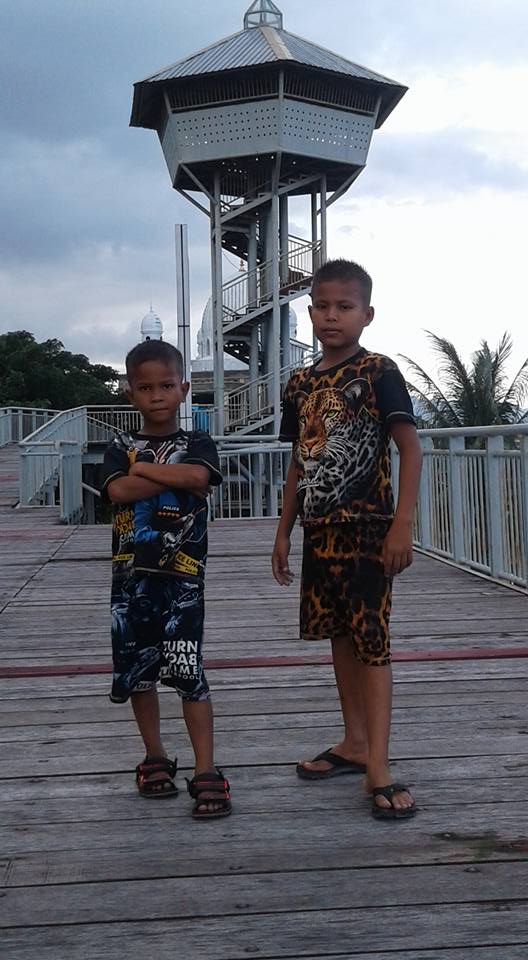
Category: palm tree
[478,395]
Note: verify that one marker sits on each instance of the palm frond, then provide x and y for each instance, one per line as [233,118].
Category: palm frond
[518,389]
[500,358]
[431,392]
[451,366]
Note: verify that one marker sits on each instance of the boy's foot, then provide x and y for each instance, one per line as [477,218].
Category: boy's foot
[210,791]
[155,777]
[333,762]
[393,801]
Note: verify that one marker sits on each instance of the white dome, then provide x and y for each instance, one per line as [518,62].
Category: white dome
[151,327]
[293,324]
[205,340]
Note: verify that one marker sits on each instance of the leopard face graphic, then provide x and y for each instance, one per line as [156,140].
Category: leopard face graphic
[339,441]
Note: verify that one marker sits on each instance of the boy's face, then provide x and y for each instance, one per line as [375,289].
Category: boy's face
[157,391]
[339,313]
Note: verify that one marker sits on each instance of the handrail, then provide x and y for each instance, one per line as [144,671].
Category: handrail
[17,422]
[301,260]
[473,500]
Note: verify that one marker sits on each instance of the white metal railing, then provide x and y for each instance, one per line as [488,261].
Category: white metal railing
[473,501]
[51,463]
[254,477]
[120,418]
[51,474]
[17,422]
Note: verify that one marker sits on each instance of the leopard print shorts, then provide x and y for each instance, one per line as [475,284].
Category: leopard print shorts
[344,590]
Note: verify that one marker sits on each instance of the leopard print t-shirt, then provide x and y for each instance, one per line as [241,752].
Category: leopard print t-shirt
[339,420]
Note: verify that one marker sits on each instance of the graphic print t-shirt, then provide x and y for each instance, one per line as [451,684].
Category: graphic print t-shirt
[338,420]
[167,533]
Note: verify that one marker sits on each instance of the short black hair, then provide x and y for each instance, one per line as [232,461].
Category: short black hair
[153,350]
[347,271]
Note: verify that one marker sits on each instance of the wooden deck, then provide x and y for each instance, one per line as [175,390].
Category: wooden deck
[92,871]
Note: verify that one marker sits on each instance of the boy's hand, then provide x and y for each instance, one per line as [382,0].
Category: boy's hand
[279,561]
[397,548]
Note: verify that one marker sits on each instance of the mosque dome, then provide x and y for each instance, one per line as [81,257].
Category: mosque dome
[204,359]
[293,324]
[151,327]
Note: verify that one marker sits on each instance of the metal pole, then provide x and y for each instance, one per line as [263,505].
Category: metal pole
[284,244]
[183,313]
[315,237]
[252,303]
[324,231]
[218,318]
[275,286]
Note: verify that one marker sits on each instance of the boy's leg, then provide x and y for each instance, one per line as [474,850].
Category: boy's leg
[198,715]
[347,671]
[145,705]
[376,682]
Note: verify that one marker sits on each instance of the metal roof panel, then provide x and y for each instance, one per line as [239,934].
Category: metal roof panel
[263,45]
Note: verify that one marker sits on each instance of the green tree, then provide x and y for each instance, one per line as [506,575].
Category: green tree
[46,375]
[470,396]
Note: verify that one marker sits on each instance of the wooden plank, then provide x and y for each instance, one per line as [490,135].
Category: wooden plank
[262,842]
[55,800]
[254,894]
[452,925]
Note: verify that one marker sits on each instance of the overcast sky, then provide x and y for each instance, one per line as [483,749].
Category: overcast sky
[439,216]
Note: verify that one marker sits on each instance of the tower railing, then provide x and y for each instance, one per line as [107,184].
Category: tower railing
[300,263]
[254,400]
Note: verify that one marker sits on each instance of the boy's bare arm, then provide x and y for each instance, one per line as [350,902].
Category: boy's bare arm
[397,548]
[281,549]
[184,476]
[127,489]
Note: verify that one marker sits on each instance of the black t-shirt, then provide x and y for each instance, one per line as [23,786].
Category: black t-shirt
[166,533]
[338,420]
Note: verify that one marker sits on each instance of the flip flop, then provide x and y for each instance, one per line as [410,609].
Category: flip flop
[340,766]
[391,813]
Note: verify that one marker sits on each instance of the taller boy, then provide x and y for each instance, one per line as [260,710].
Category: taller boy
[157,480]
[340,415]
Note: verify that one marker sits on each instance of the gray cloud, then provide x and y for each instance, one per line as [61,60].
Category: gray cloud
[438,163]
[86,206]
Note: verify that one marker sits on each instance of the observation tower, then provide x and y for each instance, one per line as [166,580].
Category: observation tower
[245,124]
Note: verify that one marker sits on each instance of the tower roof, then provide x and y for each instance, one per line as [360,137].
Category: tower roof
[261,42]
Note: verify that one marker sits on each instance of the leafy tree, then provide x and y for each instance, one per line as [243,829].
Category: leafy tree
[46,375]
[470,396]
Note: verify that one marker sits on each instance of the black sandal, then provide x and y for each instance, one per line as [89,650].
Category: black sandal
[340,765]
[392,812]
[210,788]
[154,789]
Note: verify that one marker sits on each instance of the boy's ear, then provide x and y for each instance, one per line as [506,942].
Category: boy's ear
[370,316]
[300,398]
[185,387]
[128,392]
[310,308]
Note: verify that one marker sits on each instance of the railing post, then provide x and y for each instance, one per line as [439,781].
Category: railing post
[524,503]
[457,445]
[494,447]
[424,494]
[70,480]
